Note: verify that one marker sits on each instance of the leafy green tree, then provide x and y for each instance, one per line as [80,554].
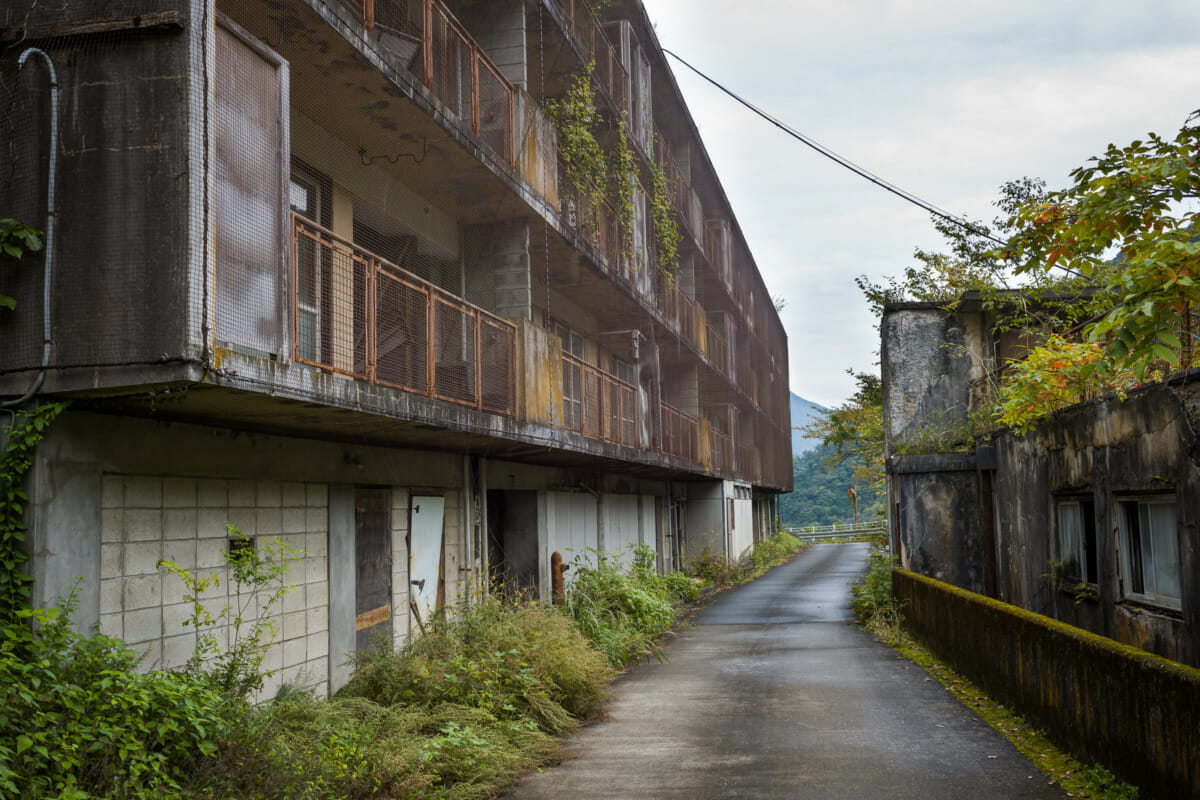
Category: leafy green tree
[16,239]
[819,493]
[854,431]
[1127,223]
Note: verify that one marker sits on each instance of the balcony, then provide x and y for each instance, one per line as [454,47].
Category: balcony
[679,310]
[681,434]
[677,182]
[425,38]
[597,404]
[355,314]
[589,37]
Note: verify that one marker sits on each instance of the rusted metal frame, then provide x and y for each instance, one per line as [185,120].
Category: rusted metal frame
[356,254]
[368,12]
[424,292]
[373,264]
[372,344]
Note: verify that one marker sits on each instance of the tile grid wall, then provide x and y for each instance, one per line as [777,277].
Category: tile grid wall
[148,518]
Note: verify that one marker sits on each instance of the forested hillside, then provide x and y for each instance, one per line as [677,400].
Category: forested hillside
[819,496]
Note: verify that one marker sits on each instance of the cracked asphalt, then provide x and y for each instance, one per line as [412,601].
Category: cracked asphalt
[773,692]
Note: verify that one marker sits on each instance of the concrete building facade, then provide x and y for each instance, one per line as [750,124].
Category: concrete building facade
[316,274]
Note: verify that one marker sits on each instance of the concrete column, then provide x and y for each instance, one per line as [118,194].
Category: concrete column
[496,267]
[341,583]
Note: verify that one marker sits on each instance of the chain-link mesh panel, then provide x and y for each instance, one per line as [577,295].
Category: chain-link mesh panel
[249,155]
[495,113]
[402,343]
[497,357]
[454,348]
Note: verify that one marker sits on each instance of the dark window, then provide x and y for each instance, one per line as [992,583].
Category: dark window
[1150,550]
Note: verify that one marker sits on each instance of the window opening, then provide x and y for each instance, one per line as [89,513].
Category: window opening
[1150,551]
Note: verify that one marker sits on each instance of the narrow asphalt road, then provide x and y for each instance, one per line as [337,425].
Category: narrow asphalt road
[773,692]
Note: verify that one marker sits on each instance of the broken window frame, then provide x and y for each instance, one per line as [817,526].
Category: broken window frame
[1076,549]
[1149,550]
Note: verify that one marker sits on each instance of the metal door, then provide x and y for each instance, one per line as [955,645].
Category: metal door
[425,556]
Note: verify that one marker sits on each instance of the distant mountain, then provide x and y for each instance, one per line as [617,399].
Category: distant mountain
[802,411]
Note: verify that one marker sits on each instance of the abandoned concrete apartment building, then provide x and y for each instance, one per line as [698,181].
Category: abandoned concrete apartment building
[317,274]
[1091,518]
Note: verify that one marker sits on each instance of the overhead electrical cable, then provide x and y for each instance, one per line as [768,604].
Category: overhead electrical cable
[850,165]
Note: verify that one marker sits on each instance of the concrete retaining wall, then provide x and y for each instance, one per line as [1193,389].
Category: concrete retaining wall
[1128,709]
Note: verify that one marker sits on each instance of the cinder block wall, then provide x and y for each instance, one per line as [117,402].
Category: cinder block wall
[147,518]
[1134,712]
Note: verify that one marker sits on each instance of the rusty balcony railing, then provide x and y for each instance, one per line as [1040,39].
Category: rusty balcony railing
[429,41]
[681,434]
[677,182]
[357,314]
[722,450]
[679,310]
[749,464]
[716,349]
[584,27]
[597,404]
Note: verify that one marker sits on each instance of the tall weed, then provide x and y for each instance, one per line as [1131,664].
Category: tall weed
[873,600]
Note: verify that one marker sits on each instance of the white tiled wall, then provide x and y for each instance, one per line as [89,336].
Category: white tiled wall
[148,518]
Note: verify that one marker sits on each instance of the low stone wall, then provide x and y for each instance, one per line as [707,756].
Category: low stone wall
[1125,708]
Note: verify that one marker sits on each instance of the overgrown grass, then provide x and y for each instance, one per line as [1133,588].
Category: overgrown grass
[622,612]
[875,605]
[713,569]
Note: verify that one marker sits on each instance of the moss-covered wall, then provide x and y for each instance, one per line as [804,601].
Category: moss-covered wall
[1133,711]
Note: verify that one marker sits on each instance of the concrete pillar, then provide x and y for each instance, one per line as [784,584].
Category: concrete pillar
[496,266]
[341,584]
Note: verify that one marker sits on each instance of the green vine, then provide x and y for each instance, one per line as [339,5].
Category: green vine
[22,437]
[666,232]
[623,175]
[575,119]
[16,239]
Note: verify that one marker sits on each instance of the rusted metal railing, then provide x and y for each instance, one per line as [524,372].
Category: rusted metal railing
[584,27]
[749,464]
[681,434]
[357,314]
[716,348]
[451,64]
[722,450]
[677,181]
[598,405]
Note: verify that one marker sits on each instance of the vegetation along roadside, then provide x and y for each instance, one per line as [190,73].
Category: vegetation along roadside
[458,712]
[876,609]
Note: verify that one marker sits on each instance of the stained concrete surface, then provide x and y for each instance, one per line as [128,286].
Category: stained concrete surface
[772,692]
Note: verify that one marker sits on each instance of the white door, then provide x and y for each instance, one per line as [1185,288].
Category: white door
[425,556]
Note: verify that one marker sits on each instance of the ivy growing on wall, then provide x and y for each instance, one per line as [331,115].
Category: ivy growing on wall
[623,175]
[22,438]
[576,119]
[666,232]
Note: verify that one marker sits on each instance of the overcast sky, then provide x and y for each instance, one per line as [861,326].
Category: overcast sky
[946,99]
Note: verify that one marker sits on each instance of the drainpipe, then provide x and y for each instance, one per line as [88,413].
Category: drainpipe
[49,255]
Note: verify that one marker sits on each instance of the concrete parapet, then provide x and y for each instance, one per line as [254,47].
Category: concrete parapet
[1126,708]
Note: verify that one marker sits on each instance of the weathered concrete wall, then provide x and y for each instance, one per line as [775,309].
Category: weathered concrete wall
[938,517]
[496,263]
[1103,450]
[926,374]
[540,383]
[1134,712]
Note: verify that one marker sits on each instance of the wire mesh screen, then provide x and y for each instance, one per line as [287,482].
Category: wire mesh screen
[497,359]
[598,404]
[681,433]
[494,124]
[249,152]
[330,305]
[119,240]
[454,349]
[403,339]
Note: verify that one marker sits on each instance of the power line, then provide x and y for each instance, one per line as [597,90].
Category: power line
[850,165]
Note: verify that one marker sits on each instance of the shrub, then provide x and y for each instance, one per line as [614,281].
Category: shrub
[714,569]
[873,601]
[516,662]
[775,550]
[78,720]
[621,613]
[681,586]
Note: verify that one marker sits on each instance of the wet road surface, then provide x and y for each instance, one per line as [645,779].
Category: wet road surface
[773,693]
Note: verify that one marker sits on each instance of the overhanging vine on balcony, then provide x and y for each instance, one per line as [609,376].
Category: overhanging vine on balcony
[666,232]
[576,119]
